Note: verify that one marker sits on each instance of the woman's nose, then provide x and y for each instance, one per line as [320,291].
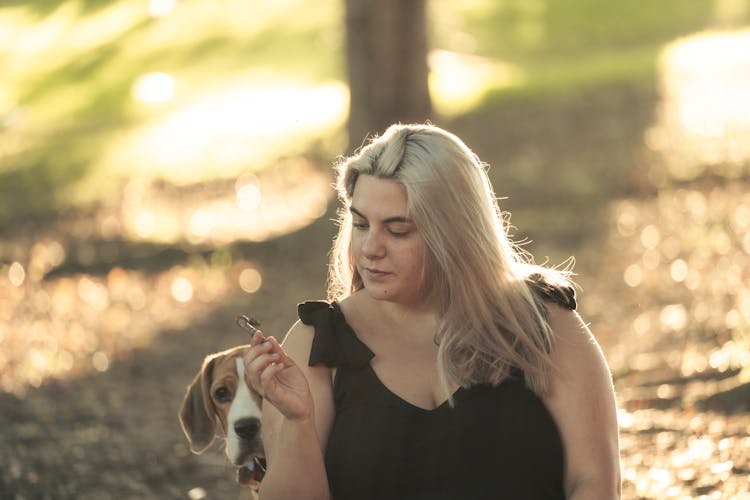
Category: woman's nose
[372,245]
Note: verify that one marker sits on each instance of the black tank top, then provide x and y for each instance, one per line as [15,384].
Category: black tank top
[495,442]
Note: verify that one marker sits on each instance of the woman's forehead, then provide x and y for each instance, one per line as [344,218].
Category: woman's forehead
[379,196]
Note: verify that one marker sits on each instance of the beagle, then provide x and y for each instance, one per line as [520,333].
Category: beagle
[219,401]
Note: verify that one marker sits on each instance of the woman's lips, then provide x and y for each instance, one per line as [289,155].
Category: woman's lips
[375,273]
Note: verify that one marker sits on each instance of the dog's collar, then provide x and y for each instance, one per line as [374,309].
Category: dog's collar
[251,474]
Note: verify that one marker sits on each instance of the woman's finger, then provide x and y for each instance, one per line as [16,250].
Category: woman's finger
[258,338]
[292,400]
[268,374]
[255,360]
[256,350]
[274,392]
[276,348]
[251,355]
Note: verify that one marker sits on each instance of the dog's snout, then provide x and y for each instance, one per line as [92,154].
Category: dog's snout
[247,427]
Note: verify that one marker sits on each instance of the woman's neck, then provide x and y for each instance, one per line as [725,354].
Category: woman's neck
[419,320]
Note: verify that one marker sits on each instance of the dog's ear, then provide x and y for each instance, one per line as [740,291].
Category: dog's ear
[196,414]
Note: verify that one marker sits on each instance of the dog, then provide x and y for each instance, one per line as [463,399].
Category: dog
[220,402]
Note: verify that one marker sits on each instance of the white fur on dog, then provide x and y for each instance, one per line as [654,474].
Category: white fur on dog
[243,406]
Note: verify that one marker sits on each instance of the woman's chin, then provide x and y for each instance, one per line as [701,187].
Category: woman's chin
[380,295]
[377,291]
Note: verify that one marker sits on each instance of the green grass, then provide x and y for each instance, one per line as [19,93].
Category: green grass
[538,29]
[559,78]
[68,69]
[563,47]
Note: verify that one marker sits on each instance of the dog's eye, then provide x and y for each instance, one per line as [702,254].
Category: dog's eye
[223,395]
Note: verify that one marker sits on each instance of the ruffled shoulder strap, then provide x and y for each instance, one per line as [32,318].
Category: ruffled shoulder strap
[561,294]
[335,344]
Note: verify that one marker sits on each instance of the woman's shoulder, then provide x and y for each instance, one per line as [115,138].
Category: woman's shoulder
[298,341]
[549,286]
[352,302]
[576,354]
[300,337]
[566,323]
[323,329]
[311,312]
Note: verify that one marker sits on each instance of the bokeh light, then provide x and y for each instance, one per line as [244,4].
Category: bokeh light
[182,289]
[161,8]
[144,224]
[16,274]
[679,270]
[154,88]
[100,361]
[633,275]
[250,280]
[248,198]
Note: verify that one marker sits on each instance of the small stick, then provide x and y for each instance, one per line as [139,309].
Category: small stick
[248,324]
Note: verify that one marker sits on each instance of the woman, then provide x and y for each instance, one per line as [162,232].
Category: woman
[444,365]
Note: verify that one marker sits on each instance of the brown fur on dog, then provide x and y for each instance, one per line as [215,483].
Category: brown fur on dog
[220,402]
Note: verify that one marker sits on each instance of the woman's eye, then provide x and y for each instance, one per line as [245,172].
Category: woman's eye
[359,225]
[223,395]
[399,230]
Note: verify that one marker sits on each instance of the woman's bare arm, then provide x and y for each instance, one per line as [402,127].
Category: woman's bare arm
[297,415]
[582,401]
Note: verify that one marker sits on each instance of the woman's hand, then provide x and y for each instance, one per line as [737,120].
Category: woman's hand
[277,378]
[297,413]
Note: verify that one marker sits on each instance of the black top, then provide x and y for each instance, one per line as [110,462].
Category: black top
[495,443]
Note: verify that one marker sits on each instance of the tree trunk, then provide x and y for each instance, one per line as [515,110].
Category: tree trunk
[387,65]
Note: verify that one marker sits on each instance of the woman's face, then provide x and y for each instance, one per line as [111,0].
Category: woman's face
[388,250]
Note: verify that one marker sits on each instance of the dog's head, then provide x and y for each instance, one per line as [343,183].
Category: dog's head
[219,402]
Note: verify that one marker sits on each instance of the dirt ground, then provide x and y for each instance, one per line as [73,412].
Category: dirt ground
[116,434]
[107,427]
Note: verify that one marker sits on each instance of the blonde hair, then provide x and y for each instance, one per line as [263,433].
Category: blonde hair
[490,321]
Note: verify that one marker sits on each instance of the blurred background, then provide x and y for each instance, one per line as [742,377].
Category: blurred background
[166,165]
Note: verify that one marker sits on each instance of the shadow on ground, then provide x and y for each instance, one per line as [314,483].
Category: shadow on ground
[116,434]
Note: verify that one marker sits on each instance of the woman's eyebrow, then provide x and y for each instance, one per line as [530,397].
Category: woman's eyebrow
[395,218]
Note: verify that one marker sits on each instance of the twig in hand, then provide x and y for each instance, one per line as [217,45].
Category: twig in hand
[250,325]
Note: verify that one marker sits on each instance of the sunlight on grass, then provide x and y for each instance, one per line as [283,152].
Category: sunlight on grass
[727,11]
[66,30]
[39,52]
[713,67]
[251,207]
[155,107]
[705,119]
[459,81]
[163,91]
[229,129]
